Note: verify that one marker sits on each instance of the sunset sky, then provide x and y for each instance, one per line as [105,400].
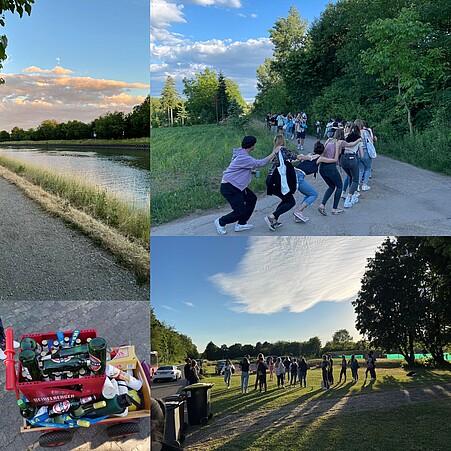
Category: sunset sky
[74,60]
[244,290]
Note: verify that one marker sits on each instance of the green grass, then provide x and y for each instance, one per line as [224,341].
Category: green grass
[187,165]
[114,212]
[411,425]
[85,142]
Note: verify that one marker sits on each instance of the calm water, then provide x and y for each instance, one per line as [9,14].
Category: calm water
[124,173]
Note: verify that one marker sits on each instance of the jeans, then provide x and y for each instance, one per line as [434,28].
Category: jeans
[310,193]
[350,164]
[343,373]
[288,202]
[366,164]
[262,381]
[331,176]
[303,378]
[293,378]
[244,381]
[242,203]
[280,381]
[355,374]
[227,377]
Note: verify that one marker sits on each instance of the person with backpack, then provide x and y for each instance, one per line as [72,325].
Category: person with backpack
[366,163]
[279,369]
[325,373]
[281,181]
[308,165]
[354,368]
[229,369]
[344,365]
[293,373]
[303,368]
[234,186]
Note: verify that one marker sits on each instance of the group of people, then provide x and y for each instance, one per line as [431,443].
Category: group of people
[349,147]
[289,371]
[291,126]
[191,371]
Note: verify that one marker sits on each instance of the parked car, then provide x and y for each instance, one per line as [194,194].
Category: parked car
[167,373]
[220,367]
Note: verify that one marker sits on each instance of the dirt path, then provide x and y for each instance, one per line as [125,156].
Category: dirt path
[403,200]
[236,424]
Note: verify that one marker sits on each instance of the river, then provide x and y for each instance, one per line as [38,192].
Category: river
[123,173]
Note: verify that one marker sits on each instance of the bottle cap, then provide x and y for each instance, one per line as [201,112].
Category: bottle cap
[83,423]
[99,405]
[20,402]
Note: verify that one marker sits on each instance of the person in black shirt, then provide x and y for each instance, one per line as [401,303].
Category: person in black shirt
[187,370]
[244,365]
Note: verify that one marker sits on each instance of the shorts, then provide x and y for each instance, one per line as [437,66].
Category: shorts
[298,135]
[302,135]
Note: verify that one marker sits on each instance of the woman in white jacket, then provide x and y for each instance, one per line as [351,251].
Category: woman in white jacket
[229,369]
[279,369]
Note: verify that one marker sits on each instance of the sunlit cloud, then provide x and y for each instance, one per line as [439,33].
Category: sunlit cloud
[296,273]
[189,304]
[56,70]
[166,307]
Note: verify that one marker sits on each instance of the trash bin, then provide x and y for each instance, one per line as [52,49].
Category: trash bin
[175,420]
[198,403]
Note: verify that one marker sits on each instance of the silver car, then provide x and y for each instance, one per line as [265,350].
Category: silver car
[167,373]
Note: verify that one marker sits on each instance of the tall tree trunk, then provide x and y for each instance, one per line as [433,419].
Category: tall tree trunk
[409,113]
[172,118]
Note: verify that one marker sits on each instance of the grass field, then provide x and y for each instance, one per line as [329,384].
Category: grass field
[187,164]
[418,424]
[83,142]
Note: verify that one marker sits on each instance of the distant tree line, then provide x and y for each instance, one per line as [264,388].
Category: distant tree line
[171,345]
[404,303]
[385,62]
[210,98]
[117,125]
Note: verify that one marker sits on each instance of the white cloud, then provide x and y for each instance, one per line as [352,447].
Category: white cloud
[163,13]
[166,307]
[296,273]
[189,304]
[254,16]
[227,3]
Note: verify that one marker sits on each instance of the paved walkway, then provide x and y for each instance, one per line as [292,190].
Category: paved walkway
[118,322]
[403,200]
[42,258]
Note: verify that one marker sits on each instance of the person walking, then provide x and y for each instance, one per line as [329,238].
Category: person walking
[325,373]
[234,187]
[194,373]
[354,368]
[244,365]
[293,373]
[229,369]
[279,369]
[366,162]
[281,181]
[344,365]
[303,368]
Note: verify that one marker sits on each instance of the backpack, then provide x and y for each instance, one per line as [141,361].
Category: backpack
[308,167]
[273,183]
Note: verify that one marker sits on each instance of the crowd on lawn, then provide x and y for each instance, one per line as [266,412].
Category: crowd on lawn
[349,145]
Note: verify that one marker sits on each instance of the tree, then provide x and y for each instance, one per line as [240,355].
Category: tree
[343,339]
[401,56]
[169,98]
[221,99]
[311,348]
[110,125]
[211,351]
[182,114]
[12,6]
[139,120]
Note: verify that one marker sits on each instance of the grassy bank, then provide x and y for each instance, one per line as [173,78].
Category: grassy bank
[187,165]
[81,142]
[123,230]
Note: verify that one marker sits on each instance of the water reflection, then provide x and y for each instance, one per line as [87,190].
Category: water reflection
[124,173]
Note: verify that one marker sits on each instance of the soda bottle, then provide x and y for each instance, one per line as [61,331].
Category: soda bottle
[97,355]
[27,409]
[30,344]
[30,366]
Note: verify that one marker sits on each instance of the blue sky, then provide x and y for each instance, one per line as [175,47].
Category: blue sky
[228,35]
[244,290]
[74,60]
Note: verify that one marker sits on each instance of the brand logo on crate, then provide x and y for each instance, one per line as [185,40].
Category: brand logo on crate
[49,399]
[95,363]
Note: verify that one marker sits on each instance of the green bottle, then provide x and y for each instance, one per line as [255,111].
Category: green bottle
[76,351]
[84,410]
[30,367]
[115,405]
[97,355]
[27,409]
[63,365]
[30,344]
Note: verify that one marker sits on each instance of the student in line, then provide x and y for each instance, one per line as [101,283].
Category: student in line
[244,365]
[279,369]
[344,365]
[303,368]
[229,369]
[354,368]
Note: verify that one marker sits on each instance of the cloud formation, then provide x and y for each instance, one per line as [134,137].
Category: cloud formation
[296,273]
[38,94]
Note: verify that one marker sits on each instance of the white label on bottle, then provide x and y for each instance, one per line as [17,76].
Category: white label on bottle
[61,407]
[95,363]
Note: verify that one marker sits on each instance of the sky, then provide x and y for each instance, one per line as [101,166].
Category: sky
[74,60]
[223,35]
[250,289]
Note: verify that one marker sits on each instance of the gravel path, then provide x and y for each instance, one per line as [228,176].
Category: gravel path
[118,322]
[307,411]
[42,258]
[403,200]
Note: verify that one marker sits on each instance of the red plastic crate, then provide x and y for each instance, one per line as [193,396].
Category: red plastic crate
[49,392]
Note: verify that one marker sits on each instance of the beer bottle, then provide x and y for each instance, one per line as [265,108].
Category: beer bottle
[71,405]
[113,406]
[76,351]
[56,345]
[30,344]
[87,408]
[63,365]
[97,355]
[27,409]
[66,342]
[30,366]
[45,346]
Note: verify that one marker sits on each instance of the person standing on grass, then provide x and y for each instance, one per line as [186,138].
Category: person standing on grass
[331,369]
[234,186]
[229,369]
[325,371]
[262,367]
[370,366]
[303,368]
[194,373]
[244,365]
[279,368]
[344,365]
[354,368]
[293,372]
[271,369]
[187,370]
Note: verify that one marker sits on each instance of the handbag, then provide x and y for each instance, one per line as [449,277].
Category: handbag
[371,149]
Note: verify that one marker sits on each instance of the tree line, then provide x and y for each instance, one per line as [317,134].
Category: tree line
[116,125]
[386,62]
[210,98]
[171,345]
[404,303]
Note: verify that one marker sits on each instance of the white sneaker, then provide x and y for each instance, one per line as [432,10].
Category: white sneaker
[300,216]
[343,194]
[347,203]
[354,199]
[241,227]
[366,187]
[219,228]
